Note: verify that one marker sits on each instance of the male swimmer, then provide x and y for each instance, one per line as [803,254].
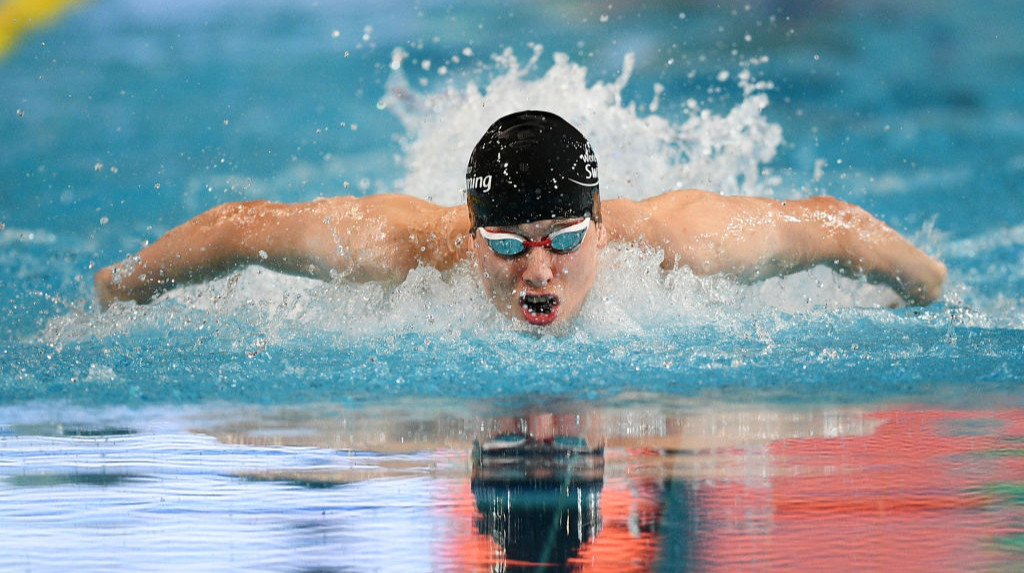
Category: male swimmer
[534,224]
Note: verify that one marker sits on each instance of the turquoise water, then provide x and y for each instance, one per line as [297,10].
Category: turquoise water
[269,422]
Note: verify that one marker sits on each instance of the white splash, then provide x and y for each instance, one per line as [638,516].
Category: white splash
[640,155]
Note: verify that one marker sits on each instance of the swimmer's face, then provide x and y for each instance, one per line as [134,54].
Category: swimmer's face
[540,286]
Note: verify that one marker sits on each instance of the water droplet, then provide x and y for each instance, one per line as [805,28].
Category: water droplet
[397,55]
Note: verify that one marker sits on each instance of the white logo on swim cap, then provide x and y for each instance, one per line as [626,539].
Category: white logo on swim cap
[591,167]
[478,182]
[586,184]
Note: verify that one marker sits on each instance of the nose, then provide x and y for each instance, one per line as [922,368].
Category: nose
[538,270]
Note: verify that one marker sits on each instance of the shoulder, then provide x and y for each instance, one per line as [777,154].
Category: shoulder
[649,219]
[388,211]
[390,203]
[681,198]
[691,227]
[707,202]
[674,203]
[408,226]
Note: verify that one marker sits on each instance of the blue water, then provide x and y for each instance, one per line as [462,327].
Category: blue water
[124,118]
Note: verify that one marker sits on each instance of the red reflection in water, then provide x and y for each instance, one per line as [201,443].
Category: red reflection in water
[911,496]
[919,493]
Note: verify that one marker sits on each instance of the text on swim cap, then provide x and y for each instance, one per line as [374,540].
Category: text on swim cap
[591,163]
[478,182]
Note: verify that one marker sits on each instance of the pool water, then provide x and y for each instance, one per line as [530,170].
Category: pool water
[267,422]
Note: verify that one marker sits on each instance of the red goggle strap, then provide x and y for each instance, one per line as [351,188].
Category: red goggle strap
[545,242]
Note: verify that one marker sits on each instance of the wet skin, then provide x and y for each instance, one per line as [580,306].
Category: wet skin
[384,237]
[540,286]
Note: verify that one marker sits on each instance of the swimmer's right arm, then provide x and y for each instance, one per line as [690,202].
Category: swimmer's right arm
[375,238]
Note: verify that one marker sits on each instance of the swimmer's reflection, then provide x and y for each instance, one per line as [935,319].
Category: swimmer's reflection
[538,497]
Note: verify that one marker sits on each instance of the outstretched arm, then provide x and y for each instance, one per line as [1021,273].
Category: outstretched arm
[755,238]
[381,237]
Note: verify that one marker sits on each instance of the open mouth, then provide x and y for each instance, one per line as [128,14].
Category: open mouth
[540,309]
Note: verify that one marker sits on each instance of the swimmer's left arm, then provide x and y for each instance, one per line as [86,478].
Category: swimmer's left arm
[825,230]
[755,238]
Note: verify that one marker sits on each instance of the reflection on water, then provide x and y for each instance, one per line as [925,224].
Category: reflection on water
[538,493]
[647,487]
[102,479]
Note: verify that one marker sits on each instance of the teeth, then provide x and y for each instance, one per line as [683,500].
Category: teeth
[539,304]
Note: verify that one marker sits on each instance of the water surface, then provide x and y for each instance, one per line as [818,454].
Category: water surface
[264,422]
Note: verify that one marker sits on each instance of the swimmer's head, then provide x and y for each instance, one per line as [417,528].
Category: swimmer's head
[535,214]
[531,166]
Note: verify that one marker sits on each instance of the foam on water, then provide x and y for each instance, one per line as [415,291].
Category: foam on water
[256,309]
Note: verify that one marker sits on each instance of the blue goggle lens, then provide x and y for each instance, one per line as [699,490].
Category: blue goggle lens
[561,241]
[567,242]
[506,247]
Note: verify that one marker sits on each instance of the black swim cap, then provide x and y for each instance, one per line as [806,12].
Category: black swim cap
[531,166]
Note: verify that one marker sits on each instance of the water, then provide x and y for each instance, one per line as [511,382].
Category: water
[273,423]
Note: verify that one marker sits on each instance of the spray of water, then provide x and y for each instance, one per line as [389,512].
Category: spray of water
[641,154]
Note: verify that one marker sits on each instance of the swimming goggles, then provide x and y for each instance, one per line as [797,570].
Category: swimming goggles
[565,240]
[508,446]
